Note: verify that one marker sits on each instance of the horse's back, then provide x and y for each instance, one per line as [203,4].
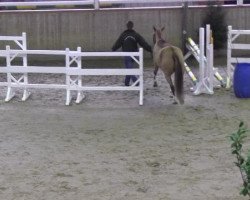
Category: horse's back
[165,58]
[173,50]
[168,52]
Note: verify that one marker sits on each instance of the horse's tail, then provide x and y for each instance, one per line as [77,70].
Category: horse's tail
[179,73]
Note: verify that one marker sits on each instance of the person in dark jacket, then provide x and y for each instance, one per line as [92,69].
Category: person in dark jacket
[128,41]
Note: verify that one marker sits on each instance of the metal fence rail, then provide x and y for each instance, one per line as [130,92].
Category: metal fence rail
[98,4]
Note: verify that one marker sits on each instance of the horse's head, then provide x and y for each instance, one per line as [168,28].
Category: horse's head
[157,34]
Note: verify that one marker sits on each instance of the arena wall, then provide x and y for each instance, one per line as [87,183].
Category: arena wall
[96,30]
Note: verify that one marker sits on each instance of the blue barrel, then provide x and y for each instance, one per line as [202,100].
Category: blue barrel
[242,80]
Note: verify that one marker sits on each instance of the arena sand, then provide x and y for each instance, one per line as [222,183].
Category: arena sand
[110,148]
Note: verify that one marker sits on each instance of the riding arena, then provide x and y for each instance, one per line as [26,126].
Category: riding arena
[70,127]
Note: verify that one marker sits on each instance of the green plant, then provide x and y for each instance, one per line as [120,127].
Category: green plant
[216,18]
[243,161]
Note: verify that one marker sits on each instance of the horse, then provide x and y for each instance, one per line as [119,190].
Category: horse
[170,60]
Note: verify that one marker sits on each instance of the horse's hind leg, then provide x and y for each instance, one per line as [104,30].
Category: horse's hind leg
[155,73]
[170,82]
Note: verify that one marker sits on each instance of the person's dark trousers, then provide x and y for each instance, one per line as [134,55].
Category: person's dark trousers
[129,64]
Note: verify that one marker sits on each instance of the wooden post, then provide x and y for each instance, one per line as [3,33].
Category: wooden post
[184,26]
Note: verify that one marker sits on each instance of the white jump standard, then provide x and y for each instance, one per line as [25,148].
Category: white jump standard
[206,70]
[195,51]
[205,84]
[232,35]
[21,42]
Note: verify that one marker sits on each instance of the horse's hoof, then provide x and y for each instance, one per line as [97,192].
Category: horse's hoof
[175,102]
[155,85]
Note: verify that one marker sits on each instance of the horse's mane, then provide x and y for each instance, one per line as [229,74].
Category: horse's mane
[162,43]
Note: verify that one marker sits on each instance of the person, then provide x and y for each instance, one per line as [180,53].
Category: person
[128,41]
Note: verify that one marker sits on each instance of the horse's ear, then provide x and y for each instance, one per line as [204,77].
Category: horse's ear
[162,29]
[154,28]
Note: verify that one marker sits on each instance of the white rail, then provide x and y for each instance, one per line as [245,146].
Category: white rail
[73,73]
[47,3]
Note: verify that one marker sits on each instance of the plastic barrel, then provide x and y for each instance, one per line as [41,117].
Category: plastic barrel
[242,80]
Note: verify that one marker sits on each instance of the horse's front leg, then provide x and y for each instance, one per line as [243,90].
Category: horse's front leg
[155,73]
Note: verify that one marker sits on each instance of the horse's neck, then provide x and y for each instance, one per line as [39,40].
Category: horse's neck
[158,48]
[162,43]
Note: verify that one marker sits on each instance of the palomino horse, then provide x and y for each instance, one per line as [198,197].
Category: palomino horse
[170,60]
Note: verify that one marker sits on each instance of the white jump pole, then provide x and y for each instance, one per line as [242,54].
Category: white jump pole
[68,82]
[203,85]
[210,58]
[80,95]
[26,93]
[141,76]
[229,56]
[10,94]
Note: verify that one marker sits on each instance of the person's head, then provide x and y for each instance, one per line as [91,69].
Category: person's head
[130,25]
